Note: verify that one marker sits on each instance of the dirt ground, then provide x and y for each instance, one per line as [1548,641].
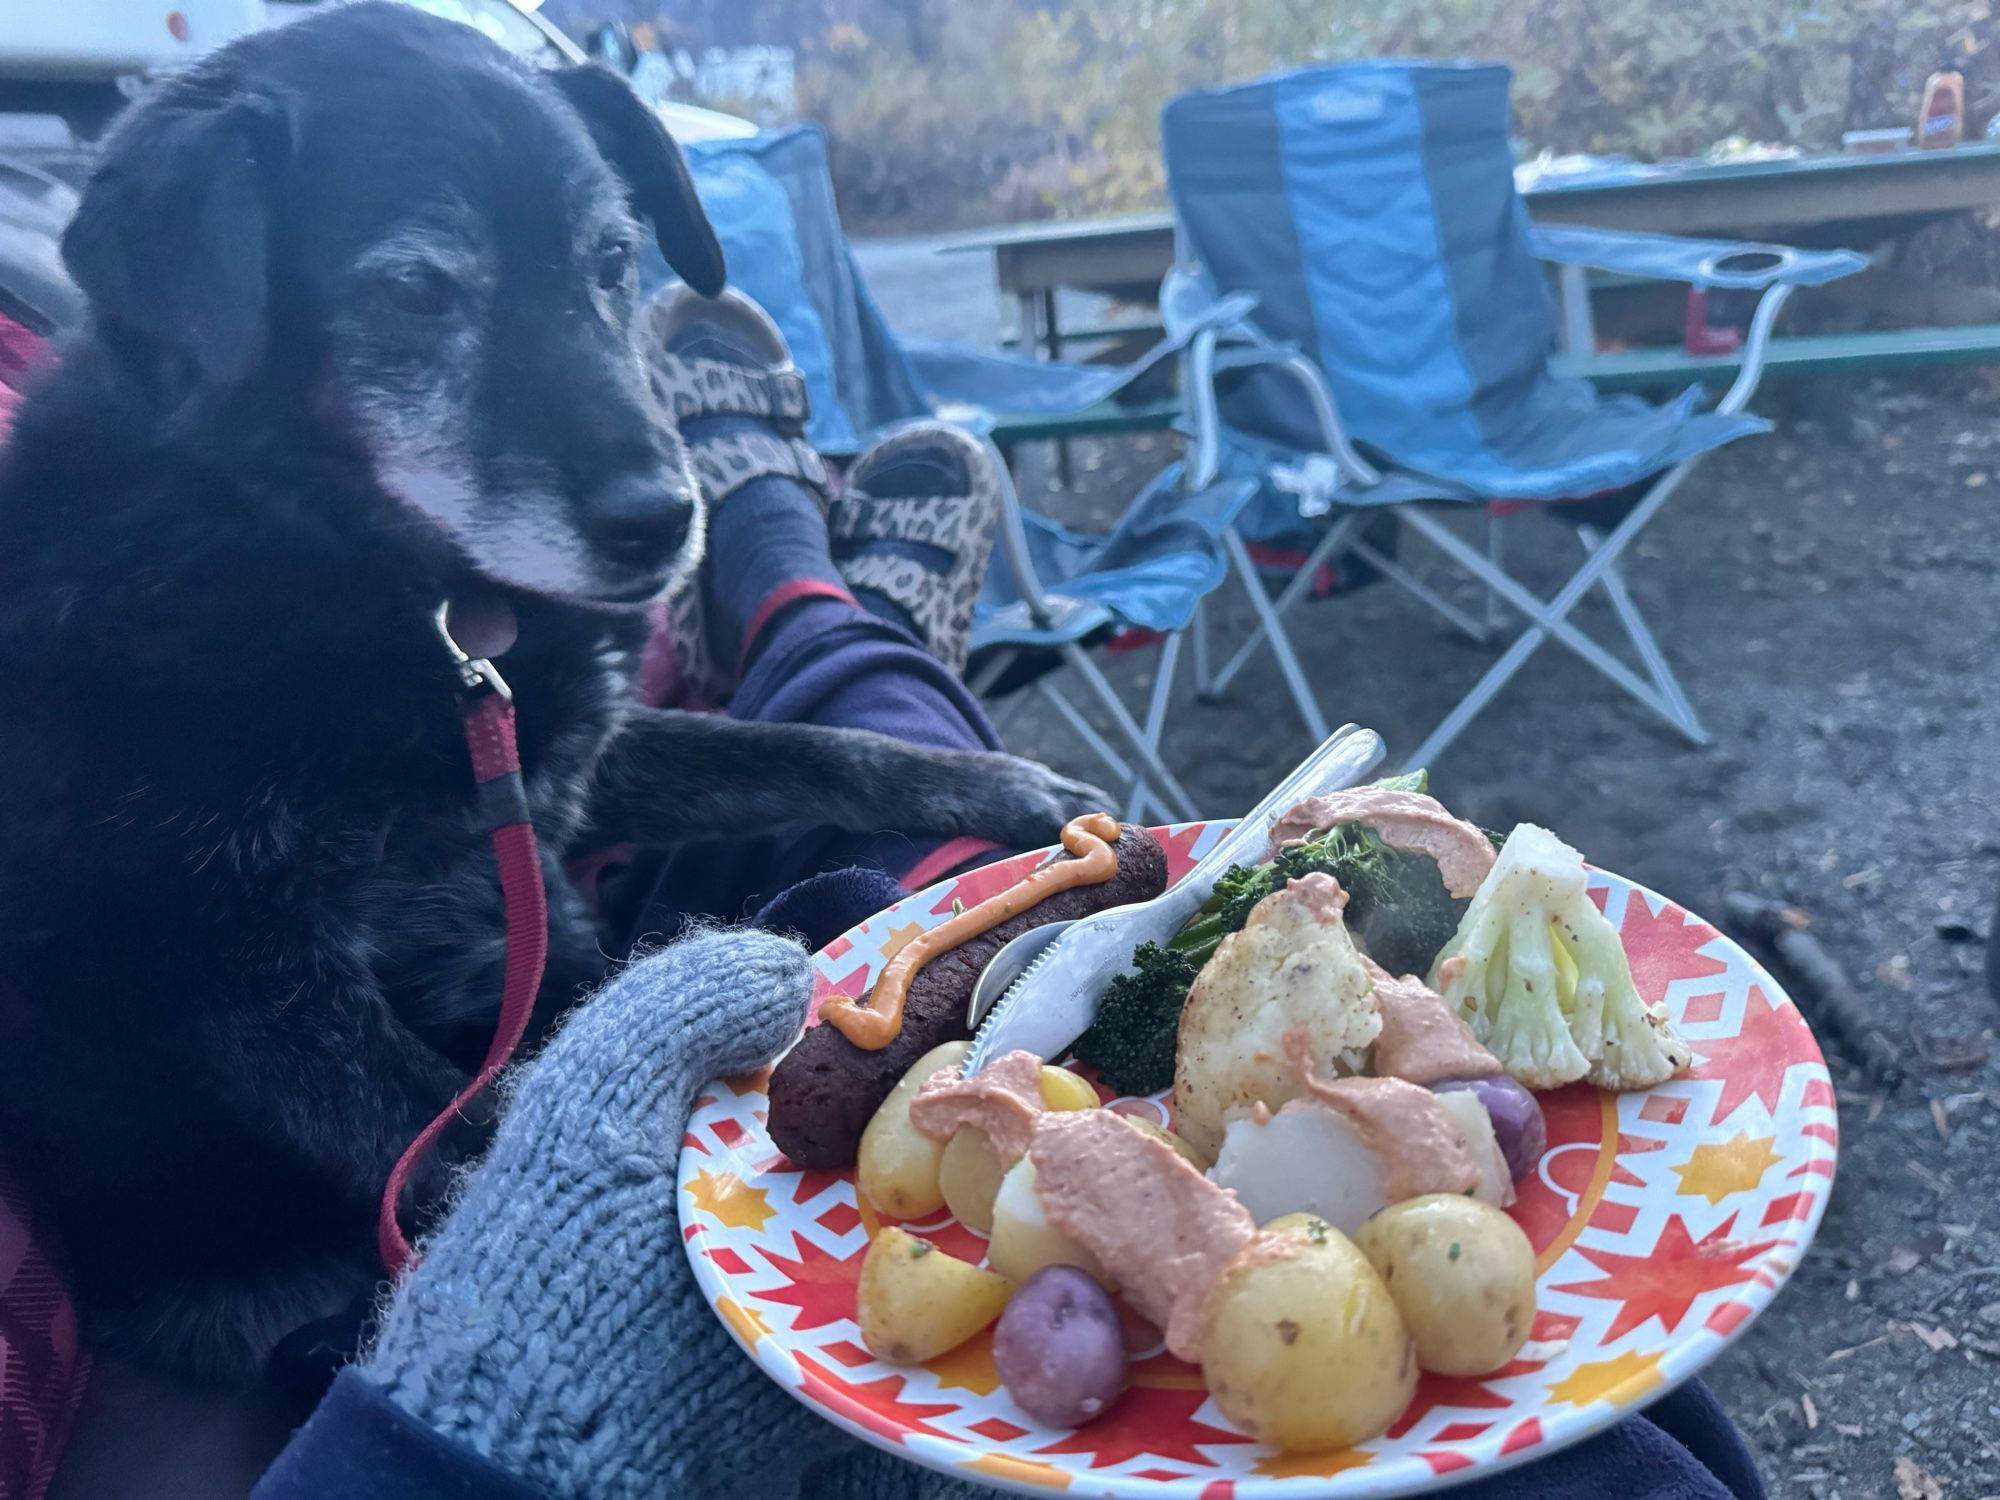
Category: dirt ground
[1828,595]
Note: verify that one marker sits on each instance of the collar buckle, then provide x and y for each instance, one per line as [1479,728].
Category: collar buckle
[477,677]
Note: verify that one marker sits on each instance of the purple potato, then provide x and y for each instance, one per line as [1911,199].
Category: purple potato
[1517,1119]
[1059,1349]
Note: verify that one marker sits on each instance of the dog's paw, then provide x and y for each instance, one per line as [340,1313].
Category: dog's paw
[1031,803]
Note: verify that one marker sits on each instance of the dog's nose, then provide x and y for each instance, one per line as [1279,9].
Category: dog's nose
[640,518]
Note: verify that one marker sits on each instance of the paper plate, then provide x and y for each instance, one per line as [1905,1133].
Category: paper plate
[1663,1222]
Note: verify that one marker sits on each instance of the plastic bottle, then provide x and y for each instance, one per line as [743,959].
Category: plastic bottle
[1941,121]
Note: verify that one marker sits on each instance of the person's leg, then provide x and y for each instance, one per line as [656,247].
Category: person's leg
[843,621]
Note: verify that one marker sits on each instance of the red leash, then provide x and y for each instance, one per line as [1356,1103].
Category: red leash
[487,707]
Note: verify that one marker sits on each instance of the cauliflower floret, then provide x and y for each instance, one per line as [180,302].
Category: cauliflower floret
[1632,1044]
[1292,968]
[1540,973]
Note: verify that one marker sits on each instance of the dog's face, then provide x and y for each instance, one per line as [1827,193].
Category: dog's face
[435,247]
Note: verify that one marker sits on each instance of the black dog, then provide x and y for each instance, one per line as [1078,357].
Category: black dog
[360,342]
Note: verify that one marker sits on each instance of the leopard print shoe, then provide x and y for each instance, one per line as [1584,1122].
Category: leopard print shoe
[914,524]
[725,356]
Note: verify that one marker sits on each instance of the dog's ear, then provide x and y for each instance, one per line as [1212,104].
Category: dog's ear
[637,146]
[172,237]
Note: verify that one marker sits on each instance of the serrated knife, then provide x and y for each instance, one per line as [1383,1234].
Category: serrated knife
[1055,999]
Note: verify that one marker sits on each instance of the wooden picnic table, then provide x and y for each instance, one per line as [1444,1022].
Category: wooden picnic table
[1833,197]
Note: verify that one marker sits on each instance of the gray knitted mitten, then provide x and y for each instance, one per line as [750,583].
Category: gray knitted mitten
[553,1324]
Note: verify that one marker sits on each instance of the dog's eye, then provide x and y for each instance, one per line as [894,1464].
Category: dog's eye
[424,291]
[614,264]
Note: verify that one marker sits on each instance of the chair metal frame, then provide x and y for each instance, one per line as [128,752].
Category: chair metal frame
[1149,787]
[1222,346]
[1658,690]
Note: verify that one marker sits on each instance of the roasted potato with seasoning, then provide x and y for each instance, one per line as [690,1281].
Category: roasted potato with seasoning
[1062,1089]
[1306,1351]
[1463,1276]
[914,1301]
[1024,1241]
[897,1166]
[969,1172]
[969,1177]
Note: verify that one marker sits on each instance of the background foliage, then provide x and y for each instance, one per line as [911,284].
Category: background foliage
[963,111]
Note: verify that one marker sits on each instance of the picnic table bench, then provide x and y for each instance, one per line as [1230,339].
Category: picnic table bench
[1615,370]
[1836,198]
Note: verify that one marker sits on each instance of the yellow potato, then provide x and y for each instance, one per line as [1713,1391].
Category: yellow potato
[897,1166]
[1062,1089]
[969,1172]
[969,1177]
[1463,1276]
[1311,1227]
[914,1301]
[1160,1132]
[1307,1352]
[1023,1238]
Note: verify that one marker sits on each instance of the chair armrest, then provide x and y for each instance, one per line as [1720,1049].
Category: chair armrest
[1188,304]
[1733,264]
[1198,390]
[1011,540]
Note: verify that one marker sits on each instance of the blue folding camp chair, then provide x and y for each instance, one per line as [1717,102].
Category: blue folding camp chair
[1397,355]
[1051,592]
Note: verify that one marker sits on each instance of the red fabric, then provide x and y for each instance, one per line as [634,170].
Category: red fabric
[20,351]
[657,683]
[942,860]
[1515,507]
[777,599]
[489,734]
[1288,560]
[42,1365]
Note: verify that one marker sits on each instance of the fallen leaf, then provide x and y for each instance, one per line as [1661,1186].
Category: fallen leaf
[1915,1483]
[1848,1429]
[1938,1119]
[1906,1257]
[1811,1411]
[1935,1339]
[1895,972]
[1955,1054]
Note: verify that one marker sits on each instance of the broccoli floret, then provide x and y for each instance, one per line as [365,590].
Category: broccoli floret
[1337,852]
[1243,887]
[1131,1043]
[1238,890]
[1398,909]
[1539,972]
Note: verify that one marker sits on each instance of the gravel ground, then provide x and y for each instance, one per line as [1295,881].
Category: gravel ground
[1827,595]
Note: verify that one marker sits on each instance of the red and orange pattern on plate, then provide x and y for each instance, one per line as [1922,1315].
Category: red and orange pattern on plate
[1663,1222]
